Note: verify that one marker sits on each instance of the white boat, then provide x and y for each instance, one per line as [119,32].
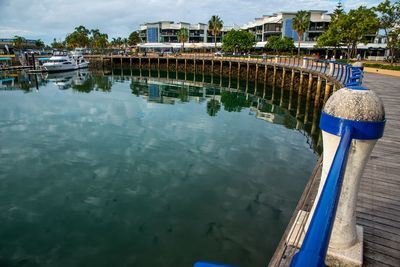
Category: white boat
[63,62]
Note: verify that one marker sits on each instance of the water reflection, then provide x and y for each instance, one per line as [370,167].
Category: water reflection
[168,88]
[180,169]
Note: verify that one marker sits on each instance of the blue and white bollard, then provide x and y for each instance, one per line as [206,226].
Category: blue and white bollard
[363,111]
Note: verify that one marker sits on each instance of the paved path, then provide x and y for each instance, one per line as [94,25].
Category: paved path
[378,208]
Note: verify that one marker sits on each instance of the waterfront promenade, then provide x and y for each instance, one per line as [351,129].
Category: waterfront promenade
[378,208]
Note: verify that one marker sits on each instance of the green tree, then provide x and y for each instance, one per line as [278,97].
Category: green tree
[354,27]
[117,42]
[19,42]
[238,39]
[389,16]
[78,38]
[215,25]
[301,23]
[279,44]
[183,36]
[57,45]
[338,11]
[39,44]
[98,40]
[134,38]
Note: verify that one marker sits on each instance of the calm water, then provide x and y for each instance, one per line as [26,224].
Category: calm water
[124,171]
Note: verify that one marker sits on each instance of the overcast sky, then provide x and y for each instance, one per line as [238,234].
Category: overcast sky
[48,19]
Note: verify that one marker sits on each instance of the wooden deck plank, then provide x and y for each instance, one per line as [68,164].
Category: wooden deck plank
[378,208]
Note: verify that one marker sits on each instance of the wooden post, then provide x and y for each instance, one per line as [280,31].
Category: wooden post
[140,62]
[230,68]
[256,77]
[299,93]
[212,66]
[291,90]
[202,69]
[185,65]
[176,66]
[247,74]
[220,69]
[149,64]
[194,65]
[318,93]
[310,82]
[265,74]
[130,62]
[167,64]
[282,85]
[327,92]
[274,77]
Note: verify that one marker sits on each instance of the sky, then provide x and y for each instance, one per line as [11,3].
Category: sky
[48,19]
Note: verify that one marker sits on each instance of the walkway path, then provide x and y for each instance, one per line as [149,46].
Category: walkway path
[378,209]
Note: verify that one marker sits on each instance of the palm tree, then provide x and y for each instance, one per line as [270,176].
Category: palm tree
[301,24]
[39,44]
[183,36]
[215,25]
[19,42]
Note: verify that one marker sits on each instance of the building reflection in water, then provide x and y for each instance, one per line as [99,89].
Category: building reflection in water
[162,89]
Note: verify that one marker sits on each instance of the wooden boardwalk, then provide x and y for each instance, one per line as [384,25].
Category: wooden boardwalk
[378,208]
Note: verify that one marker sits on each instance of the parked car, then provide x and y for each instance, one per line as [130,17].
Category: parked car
[219,54]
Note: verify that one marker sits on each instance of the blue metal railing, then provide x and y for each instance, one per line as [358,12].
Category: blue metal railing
[316,241]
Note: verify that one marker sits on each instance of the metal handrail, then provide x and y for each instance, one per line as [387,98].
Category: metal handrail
[316,241]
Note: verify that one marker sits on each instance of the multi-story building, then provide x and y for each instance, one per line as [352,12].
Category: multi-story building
[167,31]
[163,34]
[280,24]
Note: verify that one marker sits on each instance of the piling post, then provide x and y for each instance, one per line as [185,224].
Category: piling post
[256,75]
[140,62]
[299,93]
[158,63]
[328,88]
[167,64]
[282,85]
[247,72]
[274,76]
[120,59]
[220,69]
[212,65]
[130,62]
[230,68]
[185,64]
[176,65]
[149,63]
[202,69]
[291,89]
[318,93]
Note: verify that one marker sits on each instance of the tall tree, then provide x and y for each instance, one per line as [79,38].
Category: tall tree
[389,16]
[39,44]
[183,36]
[57,45]
[338,10]
[354,28]
[301,23]
[78,38]
[98,40]
[19,42]
[134,38]
[238,40]
[215,25]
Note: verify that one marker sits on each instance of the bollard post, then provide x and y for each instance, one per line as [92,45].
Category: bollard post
[361,110]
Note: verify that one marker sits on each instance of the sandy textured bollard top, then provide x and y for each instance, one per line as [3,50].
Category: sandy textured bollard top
[357,105]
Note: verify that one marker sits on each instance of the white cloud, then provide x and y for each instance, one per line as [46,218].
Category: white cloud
[48,19]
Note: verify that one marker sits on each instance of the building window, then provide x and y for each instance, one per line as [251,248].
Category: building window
[152,35]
